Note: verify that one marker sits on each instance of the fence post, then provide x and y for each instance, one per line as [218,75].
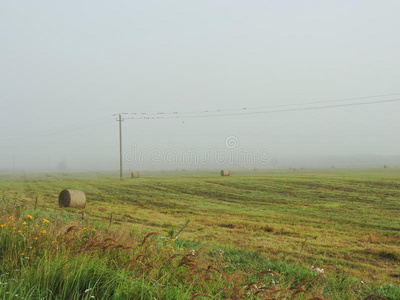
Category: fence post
[183,227]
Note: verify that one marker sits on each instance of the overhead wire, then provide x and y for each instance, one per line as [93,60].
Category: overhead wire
[69,128]
[261,112]
[210,114]
[175,113]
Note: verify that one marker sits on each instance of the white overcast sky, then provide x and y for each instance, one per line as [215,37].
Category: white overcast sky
[65,64]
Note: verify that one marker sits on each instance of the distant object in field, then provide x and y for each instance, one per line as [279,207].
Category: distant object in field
[385,166]
[72,198]
[135,174]
[225,173]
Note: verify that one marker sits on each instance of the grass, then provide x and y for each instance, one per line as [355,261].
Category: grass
[344,222]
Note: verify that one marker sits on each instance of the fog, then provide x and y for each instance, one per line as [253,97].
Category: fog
[67,67]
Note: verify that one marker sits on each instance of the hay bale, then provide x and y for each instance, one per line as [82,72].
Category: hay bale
[72,198]
[135,174]
[225,173]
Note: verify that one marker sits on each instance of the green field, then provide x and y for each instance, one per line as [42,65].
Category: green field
[346,222]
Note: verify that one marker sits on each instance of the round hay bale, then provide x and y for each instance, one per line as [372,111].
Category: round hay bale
[135,174]
[72,198]
[225,173]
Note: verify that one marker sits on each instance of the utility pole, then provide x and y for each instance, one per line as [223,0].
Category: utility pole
[120,119]
[120,146]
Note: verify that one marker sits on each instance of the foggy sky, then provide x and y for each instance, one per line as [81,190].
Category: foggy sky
[67,67]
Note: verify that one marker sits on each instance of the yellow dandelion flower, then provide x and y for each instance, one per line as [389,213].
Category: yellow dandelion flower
[19,231]
[22,254]
[83,229]
[29,217]
[2,225]
[35,238]
[45,221]
[24,223]
[180,249]
[11,218]
[93,229]
[43,232]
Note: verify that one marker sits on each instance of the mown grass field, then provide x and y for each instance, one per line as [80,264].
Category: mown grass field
[346,222]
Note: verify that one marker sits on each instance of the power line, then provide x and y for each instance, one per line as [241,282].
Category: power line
[175,113]
[72,127]
[262,112]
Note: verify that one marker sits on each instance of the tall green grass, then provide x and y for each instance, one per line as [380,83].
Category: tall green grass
[44,256]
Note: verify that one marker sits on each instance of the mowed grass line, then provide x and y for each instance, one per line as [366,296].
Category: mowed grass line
[337,220]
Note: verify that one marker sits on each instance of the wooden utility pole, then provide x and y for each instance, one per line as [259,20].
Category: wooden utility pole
[120,146]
